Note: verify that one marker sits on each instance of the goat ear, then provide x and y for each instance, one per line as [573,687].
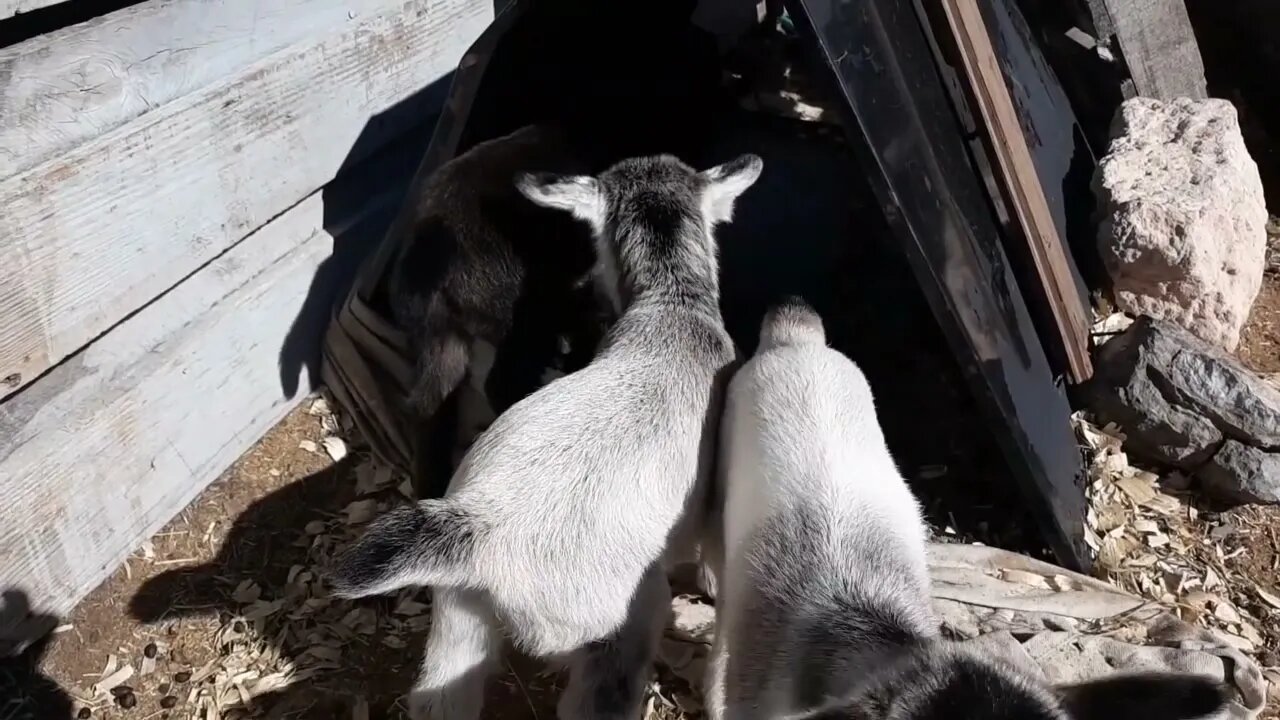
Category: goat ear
[578,194]
[1158,696]
[724,183]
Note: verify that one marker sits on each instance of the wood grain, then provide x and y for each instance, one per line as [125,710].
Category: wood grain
[1021,183]
[1158,43]
[95,234]
[97,455]
[9,8]
[66,87]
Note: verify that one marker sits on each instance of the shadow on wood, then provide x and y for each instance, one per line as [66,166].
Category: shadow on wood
[384,178]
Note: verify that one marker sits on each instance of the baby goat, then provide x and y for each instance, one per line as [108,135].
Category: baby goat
[824,605]
[488,285]
[563,517]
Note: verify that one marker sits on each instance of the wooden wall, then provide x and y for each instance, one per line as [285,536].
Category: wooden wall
[184,186]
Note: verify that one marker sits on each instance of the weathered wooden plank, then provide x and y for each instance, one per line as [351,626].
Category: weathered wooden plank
[9,8]
[66,87]
[1021,183]
[96,233]
[102,451]
[1158,43]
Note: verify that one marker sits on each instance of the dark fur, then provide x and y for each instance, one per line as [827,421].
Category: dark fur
[860,651]
[484,263]
[427,532]
[967,687]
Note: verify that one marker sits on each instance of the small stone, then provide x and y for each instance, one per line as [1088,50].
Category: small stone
[128,702]
[163,688]
[182,677]
[84,714]
[120,691]
[168,701]
[150,650]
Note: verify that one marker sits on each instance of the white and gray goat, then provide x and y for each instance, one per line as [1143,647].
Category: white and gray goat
[562,519]
[824,610]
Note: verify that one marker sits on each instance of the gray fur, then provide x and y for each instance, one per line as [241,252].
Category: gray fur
[824,607]
[571,504]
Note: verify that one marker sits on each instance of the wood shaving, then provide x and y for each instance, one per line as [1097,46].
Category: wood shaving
[335,448]
[1151,539]
[117,678]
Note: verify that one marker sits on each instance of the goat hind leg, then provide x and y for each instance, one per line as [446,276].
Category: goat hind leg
[463,650]
[608,676]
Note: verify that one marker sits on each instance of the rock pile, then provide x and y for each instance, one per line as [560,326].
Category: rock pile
[1185,404]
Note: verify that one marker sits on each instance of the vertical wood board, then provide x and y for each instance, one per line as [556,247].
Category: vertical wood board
[1158,43]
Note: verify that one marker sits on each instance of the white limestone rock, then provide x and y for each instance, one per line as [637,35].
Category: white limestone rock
[1183,231]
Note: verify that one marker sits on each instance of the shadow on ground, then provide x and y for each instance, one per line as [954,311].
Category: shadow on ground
[25,692]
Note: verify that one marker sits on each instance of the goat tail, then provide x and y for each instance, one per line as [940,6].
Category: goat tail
[791,322]
[430,543]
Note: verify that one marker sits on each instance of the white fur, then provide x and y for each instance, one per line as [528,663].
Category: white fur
[800,432]
[824,605]
[578,497]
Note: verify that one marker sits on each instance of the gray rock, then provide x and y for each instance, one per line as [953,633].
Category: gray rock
[1213,384]
[1184,403]
[1242,474]
[1130,390]
[1183,232]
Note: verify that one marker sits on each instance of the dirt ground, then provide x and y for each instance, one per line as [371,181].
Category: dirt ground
[227,600]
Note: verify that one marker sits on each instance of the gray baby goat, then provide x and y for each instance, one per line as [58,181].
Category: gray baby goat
[561,520]
[824,608]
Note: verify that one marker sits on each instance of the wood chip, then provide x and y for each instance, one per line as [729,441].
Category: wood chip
[1226,613]
[319,408]
[246,592]
[1140,490]
[309,446]
[1250,633]
[372,477]
[360,511]
[204,673]
[1211,580]
[335,448]
[1239,643]
[114,680]
[1268,598]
